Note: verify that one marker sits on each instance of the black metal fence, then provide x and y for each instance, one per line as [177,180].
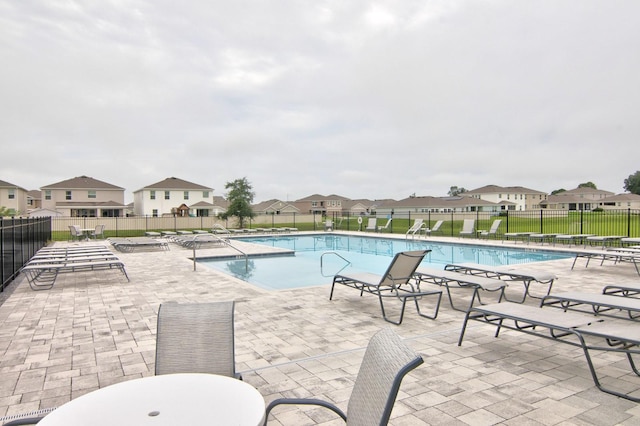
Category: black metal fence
[20,238]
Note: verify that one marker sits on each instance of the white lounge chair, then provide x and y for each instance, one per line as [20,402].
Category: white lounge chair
[417,226]
[435,229]
[468,228]
[386,226]
[493,231]
[372,225]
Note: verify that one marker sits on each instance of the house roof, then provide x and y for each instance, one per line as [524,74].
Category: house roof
[448,202]
[35,194]
[220,201]
[318,197]
[176,183]
[584,190]
[622,197]
[83,182]
[495,189]
[201,204]
[4,184]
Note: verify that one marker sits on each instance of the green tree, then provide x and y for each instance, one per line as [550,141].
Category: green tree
[558,191]
[454,190]
[588,185]
[632,183]
[240,196]
[7,212]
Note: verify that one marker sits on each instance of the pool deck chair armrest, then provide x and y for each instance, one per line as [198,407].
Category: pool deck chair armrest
[589,332]
[394,283]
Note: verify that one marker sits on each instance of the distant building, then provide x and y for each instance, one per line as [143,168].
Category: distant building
[584,198]
[620,201]
[510,197]
[274,207]
[84,196]
[428,204]
[321,204]
[34,199]
[13,198]
[174,196]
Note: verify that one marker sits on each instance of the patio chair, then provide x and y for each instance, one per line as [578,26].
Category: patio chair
[76,233]
[24,421]
[395,282]
[98,232]
[386,361]
[328,225]
[493,231]
[196,338]
[468,228]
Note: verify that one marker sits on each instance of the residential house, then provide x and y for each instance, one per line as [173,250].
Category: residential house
[621,201]
[583,198]
[173,197]
[275,207]
[510,197]
[34,199]
[220,205]
[13,198]
[356,207]
[321,204]
[428,204]
[84,196]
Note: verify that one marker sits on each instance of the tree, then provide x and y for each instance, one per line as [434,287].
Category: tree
[558,191]
[632,183]
[240,196]
[454,190]
[7,212]
[588,185]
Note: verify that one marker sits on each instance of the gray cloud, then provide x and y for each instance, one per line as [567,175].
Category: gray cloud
[363,99]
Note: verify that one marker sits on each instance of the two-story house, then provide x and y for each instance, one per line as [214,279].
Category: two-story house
[510,197]
[321,204]
[583,198]
[429,204]
[13,198]
[173,196]
[84,196]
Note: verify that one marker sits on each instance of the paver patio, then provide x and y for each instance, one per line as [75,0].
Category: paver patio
[93,329]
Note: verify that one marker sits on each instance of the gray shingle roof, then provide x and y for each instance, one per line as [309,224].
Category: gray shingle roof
[82,182]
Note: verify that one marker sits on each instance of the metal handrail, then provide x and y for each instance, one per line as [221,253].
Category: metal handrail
[225,242]
[334,253]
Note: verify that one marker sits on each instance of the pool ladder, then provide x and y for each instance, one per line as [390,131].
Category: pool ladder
[335,254]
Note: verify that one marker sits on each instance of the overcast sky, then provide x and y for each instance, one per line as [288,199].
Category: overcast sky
[365,99]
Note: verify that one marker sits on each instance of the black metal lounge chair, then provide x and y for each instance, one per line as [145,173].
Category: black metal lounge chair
[386,361]
[589,332]
[395,283]
[196,338]
[599,304]
[613,255]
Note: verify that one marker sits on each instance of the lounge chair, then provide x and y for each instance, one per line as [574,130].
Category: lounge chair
[328,225]
[196,338]
[468,228]
[509,274]
[614,255]
[418,225]
[541,238]
[435,229]
[517,236]
[386,226]
[372,224]
[600,304]
[449,280]
[604,240]
[493,231]
[573,328]
[386,361]
[395,282]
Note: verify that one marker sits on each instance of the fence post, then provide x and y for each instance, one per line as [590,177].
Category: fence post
[541,222]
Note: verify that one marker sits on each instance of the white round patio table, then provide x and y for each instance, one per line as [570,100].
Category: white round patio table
[170,399]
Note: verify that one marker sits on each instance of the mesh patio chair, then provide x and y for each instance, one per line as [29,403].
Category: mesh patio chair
[196,338]
[98,232]
[76,233]
[386,361]
[23,422]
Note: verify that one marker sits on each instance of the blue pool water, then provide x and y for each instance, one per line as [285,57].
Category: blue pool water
[319,257]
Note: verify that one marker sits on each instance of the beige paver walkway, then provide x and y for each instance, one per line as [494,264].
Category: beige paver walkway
[94,329]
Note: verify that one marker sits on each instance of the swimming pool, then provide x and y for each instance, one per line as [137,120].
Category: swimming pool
[319,257]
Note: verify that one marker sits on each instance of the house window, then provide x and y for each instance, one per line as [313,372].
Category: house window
[186,195]
[91,194]
[167,195]
[12,193]
[205,194]
[47,194]
[67,195]
[152,195]
[154,212]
